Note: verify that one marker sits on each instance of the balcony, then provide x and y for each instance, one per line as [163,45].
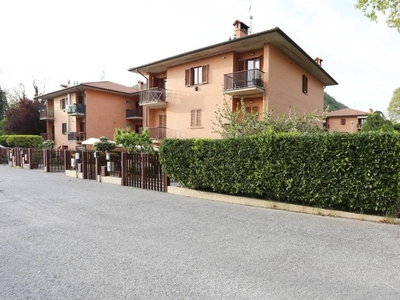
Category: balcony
[77,110]
[134,113]
[244,83]
[153,98]
[156,133]
[47,136]
[46,114]
[76,136]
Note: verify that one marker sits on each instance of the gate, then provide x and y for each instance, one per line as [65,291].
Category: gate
[143,171]
[89,165]
[53,160]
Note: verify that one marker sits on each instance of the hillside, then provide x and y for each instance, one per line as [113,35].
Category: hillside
[331,103]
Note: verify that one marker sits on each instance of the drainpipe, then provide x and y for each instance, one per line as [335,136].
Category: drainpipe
[146,110]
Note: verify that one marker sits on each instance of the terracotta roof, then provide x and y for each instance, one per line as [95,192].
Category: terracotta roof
[101,85]
[111,86]
[346,112]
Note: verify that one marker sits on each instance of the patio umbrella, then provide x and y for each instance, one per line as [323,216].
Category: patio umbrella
[90,141]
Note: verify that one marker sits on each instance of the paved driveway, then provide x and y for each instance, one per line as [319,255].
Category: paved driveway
[64,238]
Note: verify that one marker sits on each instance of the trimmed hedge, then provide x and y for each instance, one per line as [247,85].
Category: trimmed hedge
[349,172]
[21,141]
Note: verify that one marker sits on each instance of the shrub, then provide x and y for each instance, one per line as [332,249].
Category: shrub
[24,141]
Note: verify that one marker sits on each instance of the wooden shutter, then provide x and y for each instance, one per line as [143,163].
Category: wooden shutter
[204,72]
[305,84]
[187,77]
[198,117]
[192,118]
[162,120]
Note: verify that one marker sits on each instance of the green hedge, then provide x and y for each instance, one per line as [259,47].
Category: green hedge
[21,141]
[350,172]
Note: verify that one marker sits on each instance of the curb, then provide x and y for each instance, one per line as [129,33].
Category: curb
[278,205]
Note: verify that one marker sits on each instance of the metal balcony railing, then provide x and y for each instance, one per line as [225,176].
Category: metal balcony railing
[76,136]
[153,95]
[46,114]
[156,133]
[47,136]
[76,109]
[253,78]
[134,113]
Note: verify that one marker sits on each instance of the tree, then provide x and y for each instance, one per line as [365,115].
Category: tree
[231,124]
[104,145]
[377,122]
[394,106]
[389,8]
[134,142]
[330,103]
[23,118]
[3,104]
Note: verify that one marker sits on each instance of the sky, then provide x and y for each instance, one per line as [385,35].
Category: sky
[54,41]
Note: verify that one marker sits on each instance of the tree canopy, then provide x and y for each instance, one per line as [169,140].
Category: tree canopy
[134,142]
[394,106]
[389,8]
[377,122]
[104,145]
[23,118]
[3,104]
[330,103]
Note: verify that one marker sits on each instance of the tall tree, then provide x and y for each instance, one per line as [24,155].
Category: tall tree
[23,118]
[330,103]
[3,104]
[377,122]
[389,8]
[394,106]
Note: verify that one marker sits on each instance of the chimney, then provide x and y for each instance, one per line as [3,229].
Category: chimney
[371,111]
[241,29]
[141,85]
[319,61]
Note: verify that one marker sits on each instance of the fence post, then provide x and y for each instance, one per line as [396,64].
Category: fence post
[30,158]
[123,168]
[46,160]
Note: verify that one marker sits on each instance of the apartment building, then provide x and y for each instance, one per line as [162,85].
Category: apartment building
[268,70]
[92,109]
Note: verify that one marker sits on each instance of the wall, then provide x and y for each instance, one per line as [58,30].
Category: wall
[284,89]
[334,124]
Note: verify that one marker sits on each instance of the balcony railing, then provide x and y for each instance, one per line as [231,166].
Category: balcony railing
[76,136]
[47,136]
[156,133]
[46,114]
[134,113]
[153,98]
[243,82]
[76,109]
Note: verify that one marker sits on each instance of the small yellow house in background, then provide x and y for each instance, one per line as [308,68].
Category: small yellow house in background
[268,70]
[346,120]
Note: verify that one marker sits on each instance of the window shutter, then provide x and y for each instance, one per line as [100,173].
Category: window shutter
[204,72]
[187,77]
[192,118]
[198,118]
[305,84]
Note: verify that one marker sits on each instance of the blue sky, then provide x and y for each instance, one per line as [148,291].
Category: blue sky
[57,41]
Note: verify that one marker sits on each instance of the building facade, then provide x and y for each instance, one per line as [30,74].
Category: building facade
[93,109]
[267,70]
[346,120]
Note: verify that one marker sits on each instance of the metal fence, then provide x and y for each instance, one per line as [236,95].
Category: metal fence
[53,160]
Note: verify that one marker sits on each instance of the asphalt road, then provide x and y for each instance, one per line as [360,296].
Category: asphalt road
[65,238]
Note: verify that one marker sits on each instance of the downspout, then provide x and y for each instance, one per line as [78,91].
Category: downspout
[146,110]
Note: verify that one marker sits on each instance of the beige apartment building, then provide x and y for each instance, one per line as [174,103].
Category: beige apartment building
[268,70]
[179,95]
[92,109]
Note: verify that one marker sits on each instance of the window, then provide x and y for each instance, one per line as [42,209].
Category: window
[342,121]
[195,118]
[63,103]
[305,84]
[162,120]
[252,109]
[197,75]
[128,101]
[64,128]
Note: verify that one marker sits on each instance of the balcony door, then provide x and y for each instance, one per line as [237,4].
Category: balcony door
[247,70]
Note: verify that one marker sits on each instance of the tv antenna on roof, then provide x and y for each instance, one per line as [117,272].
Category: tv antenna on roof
[251,20]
